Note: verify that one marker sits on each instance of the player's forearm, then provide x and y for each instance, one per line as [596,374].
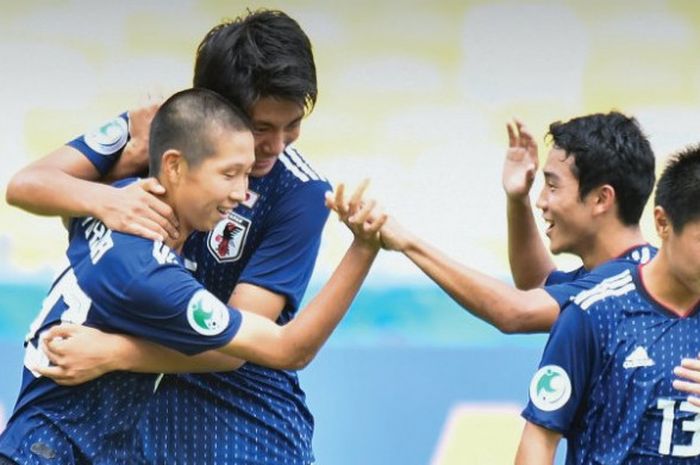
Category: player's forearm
[50,191]
[508,309]
[294,345]
[137,355]
[537,446]
[530,262]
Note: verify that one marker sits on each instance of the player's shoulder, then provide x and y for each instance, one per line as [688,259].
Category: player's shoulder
[617,283]
[299,173]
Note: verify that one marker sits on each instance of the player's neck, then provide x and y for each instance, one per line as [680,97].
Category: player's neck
[610,243]
[662,284]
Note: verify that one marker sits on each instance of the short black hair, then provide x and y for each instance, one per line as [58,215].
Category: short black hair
[185,121]
[678,189]
[609,148]
[262,54]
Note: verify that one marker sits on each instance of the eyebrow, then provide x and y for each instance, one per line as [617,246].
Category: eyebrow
[549,175]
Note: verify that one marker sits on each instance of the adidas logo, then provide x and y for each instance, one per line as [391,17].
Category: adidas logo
[638,358]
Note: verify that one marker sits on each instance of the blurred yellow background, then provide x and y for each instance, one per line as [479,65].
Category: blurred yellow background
[414,94]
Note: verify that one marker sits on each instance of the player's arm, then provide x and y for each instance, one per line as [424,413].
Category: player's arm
[64,183]
[509,309]
[530,262]
[538,445]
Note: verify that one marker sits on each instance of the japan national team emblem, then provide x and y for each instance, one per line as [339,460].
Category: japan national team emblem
[206,314]
[108,138]
[228,238]
[550,388]
[251,197]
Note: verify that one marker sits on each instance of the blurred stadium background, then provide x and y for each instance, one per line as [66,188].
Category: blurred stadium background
[414,94]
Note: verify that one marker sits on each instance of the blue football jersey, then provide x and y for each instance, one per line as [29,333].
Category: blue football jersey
[564,285]
[253,415]
[605,379]
[117,283]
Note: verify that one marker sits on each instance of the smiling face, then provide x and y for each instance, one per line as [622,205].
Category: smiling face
[570,225]
[276,124]
[682,250]
[207,192]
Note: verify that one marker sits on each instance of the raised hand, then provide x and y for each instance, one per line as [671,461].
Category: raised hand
[521,161]
[136,209]
[363,217]
[133,160]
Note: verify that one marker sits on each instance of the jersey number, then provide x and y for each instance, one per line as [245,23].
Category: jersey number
[77,307]
[667,406]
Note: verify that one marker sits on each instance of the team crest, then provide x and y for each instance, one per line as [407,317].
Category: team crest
[228,238]
[251,198]
[108,138]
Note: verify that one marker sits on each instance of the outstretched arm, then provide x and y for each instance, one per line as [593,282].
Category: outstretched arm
[79,354]
[507,308]
[530,262]
[538,446]
[64,183]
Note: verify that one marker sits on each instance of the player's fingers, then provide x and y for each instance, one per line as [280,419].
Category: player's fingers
[53,372]
[694,400]
[62,331]
[152,186]
[330,200]
[687,373]
[53,350]
[163,215]
[687,386]
[147,229]
[379,222]
[691,364]
[511,135]
[361,216]
[341,208]
[356,198]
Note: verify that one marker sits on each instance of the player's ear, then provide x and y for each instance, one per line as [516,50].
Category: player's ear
[604,198]
[173,166]
[661,222]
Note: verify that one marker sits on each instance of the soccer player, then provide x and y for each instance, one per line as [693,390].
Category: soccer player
[260,258]
[605,379]
[202,152]
[598,177]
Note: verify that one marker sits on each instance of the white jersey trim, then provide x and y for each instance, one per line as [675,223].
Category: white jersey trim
[284,158]
[302,164]
[614,286]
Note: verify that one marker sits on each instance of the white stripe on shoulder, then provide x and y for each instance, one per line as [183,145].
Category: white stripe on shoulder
[302,164]
[614,286]
[284,158]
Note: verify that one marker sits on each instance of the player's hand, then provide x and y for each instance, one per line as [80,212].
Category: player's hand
[689,371]
[77,354]
[394,236]
[133,160]
[136,209]
[363,217]
[521,161]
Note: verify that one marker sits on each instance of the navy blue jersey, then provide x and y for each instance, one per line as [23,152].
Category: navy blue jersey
[564,285]
[253,415]
[117,283]
[605,379]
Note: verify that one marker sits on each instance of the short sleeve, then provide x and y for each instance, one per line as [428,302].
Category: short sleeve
[284,260]
[565,291]
[161,301]
[104,145]
[559,388]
